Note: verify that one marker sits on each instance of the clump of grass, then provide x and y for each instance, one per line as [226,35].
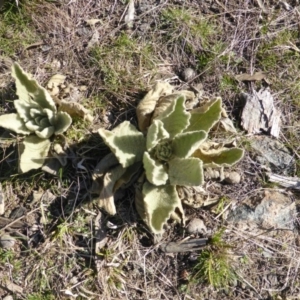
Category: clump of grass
[39,296]
[228,83]
[122,62]
[16,32]
[77,131]
[192,37]
[214,264]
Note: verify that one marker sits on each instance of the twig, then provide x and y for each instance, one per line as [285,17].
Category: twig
[190,245]
[15,221]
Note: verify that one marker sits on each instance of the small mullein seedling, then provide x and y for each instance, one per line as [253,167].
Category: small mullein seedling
[170,152]
[37,118]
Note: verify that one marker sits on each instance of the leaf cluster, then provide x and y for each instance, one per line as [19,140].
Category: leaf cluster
[37,118]
[168,151]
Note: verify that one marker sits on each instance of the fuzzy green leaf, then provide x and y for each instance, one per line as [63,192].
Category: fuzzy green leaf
[14,123]
[54,118]
[158,205]
[155,171]
[156,133]
[33,153]
[126,142]
[32,126]
[223,157]
[30,91]
[185,144]
[23,109]
[175,118]
[45,133]
[62,122]
[186,171]
[205,117]
[33,112]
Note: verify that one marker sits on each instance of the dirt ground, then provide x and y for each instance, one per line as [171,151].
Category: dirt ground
[109,66]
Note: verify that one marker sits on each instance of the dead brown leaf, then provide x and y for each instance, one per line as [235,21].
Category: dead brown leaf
[247,77]
[75,109]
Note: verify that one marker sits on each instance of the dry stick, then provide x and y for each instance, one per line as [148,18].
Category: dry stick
[190,245]
[137,18]
[288,182]
[7,156]
[261,5]
[17,220]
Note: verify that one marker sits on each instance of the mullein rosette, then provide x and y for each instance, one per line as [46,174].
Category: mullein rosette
[170,153]
[37,118]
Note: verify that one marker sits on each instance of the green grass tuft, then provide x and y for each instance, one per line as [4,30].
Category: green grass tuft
[16,31]
[214,264]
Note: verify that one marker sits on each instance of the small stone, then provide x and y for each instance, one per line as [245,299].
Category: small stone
[8,298]
[232,178]
[188,74]
[6,241]
[18,212]
[196,226]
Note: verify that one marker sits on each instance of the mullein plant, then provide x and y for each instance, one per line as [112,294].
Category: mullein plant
[169,150]
[36,118]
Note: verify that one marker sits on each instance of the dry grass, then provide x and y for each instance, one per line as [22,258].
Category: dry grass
[54,257]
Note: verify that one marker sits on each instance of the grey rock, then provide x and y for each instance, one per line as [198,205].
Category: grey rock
[273,209]
[232,178]
[18,212]
[144,27]
[196,226]
[272,153]
[188,74]
[8,298]
[6,241]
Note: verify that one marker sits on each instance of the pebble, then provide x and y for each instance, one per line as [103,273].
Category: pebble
[196,226]
[8,298]
[6,241]
[232,178]
[188,74]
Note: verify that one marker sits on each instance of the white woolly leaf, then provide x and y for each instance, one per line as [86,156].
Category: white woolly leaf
[23,109]
[155,134]
[14,123]
[175,118]
[205,117]
[62,122]
[185,144]
[223,157]
[155,171]
[54,118]
[126,142]
[32,126]
[158,202]
[186,171]
[30,91]
[45,133]
[33,153]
